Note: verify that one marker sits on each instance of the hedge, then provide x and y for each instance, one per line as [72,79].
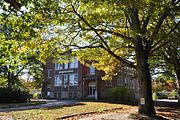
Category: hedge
[9,95]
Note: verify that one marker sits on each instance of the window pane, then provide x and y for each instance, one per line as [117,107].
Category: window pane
[58,66]
[75,79]
[92,70]
[94,90]
[71,79]
[57,80]
[65,80]
[66,66]
[49,73]
[74,63]
[71,64]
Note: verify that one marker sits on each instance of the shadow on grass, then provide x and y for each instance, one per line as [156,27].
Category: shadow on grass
[172,113]
[136,116]
[130,103]
[62,106]
[43,107]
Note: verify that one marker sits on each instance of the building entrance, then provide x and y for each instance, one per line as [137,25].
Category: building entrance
[92,90]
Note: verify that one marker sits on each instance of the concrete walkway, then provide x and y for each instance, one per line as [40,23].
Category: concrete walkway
[50,103]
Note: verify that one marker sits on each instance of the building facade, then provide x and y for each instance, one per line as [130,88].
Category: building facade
[76,81]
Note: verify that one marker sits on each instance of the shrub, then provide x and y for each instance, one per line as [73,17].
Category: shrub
[162,95]
[120,94]
[10,95]
[173,94]
[36,96]
[154,96]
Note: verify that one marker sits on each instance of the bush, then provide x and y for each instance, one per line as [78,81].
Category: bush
[8,95]
[173,94]
[154,96]
[36,96]
[120,94]
[162,95]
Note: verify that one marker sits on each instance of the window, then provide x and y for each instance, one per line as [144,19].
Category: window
[108,83]
[128,82]
[120,80]
[70,94]
[55,95]
[49,73]
[66,66]
[73,79]
[57,80]
[59,95]
[65,79]
[92,70]
[92,90]
[125,81]
[58,66]
[74,63]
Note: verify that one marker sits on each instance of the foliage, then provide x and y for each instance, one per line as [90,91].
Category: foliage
[120,94]
[36,96]
[163,83]
[9,95]
[155,97]
[163,94]
[173,94]
[137,28]
[21,40]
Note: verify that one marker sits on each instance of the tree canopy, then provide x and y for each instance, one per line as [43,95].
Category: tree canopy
[130,31]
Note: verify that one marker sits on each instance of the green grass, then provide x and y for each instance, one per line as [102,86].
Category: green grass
[53,113]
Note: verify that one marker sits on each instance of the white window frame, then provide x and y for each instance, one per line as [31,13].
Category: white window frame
[66,66]
[73,79]
[73,63]
[49,73]
[57,80]
[65,79]
[58,66]
[92,70]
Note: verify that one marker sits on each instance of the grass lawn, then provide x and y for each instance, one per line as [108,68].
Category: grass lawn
[57,112]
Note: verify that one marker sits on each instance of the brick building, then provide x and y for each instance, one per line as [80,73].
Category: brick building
[76,81]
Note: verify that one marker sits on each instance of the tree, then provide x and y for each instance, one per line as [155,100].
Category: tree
[140,26]
[110,25]
[171,56]
[166,60]
[20,40]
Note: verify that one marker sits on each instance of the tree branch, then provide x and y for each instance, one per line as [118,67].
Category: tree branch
[126,62]
[113,33]
[145,23]
[14,4]
[106,47]
[155,47]
[82,18]
[161,19]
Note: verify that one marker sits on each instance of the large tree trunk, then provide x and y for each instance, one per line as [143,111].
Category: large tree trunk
[177,71]
[146,105]
[10,80]
[10,77]
[178,77]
